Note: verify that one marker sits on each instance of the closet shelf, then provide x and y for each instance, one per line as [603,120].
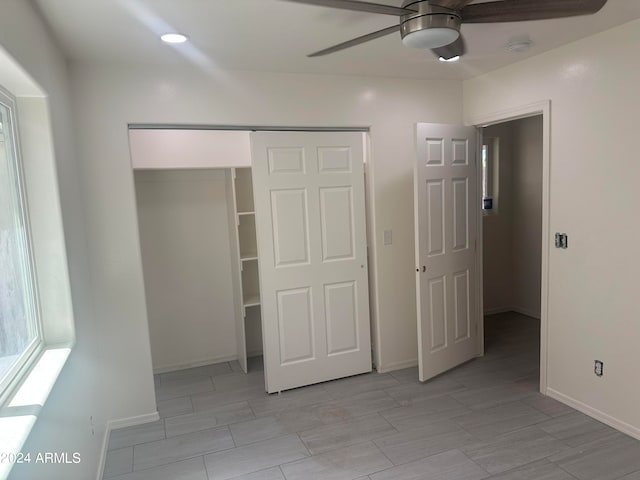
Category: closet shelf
[252,301]
[246,257]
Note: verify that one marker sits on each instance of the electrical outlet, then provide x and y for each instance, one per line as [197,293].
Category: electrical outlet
[599,368]
[388,237]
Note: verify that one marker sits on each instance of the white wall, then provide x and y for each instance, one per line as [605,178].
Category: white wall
[526,215]
[107,97]
[497,229]
[593,309]
[512,236]
[184,235]
[64,423]
[167,148]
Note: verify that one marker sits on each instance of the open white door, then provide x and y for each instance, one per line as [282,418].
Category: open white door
[310,218]
[446,206]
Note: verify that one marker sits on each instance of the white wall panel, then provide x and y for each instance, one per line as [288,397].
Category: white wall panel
[174,148]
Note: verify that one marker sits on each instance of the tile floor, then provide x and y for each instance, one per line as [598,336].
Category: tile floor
[483,420]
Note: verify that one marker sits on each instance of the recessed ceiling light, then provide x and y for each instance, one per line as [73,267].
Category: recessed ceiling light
[174,38]
[452,59]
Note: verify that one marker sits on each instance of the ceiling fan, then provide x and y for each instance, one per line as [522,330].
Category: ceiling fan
[435,24]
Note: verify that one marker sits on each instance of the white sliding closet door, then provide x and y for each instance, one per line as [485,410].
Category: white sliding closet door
[310,217]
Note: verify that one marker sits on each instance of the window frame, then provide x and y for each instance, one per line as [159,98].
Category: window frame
[20,368]
[491,178]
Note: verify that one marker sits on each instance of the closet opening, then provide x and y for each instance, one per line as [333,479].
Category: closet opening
[274,286]
[200,264]
[197,229]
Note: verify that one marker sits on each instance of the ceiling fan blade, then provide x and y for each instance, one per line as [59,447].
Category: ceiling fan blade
[452,4]
[525,10]
[455,49]
[358,6]
[357,41]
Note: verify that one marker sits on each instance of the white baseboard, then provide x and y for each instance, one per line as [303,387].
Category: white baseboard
[397,366]
[120,423]
[595,413]
[496,310]
[196,363]
[132,421]
[527,312]
[523,311]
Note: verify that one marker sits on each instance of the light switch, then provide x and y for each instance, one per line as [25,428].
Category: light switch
[388,237]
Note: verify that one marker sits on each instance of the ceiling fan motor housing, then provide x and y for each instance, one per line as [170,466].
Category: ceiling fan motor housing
[430,27]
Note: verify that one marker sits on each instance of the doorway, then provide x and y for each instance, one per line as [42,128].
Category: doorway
[512,193]
[512,216]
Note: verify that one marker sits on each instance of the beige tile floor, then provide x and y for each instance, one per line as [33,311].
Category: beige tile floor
[483,420]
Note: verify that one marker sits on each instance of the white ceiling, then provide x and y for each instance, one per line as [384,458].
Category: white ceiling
[276,36]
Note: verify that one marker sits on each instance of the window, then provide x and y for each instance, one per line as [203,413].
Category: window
[20,331]
[490,149]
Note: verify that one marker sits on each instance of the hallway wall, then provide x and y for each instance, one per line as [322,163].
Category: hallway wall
[526,215]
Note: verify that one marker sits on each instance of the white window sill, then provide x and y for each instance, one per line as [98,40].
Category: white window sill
[20,413]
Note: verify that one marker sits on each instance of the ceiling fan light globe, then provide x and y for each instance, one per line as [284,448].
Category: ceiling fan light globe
[430,38]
